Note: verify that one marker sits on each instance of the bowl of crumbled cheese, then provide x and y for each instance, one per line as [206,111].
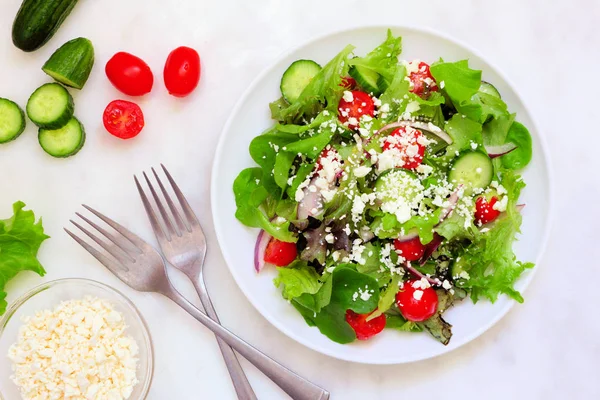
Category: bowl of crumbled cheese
[74,339]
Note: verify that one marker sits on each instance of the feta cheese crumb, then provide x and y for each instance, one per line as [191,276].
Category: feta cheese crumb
[417,294]
[348,96]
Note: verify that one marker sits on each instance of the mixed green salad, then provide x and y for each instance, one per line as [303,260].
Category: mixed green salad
[386,191]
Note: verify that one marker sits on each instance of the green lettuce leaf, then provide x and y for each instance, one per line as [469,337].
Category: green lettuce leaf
[494,268]
[323,92]
[20,240]
[297,279]
[463,131]
[521,156]
[250,194]
[347,284]
[383,59]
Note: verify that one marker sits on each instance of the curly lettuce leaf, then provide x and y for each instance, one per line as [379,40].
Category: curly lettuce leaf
[250,195]
[20,240]
[323,92]
[463,132]
[386,225]
[494,268]
[297,279]
[383,59]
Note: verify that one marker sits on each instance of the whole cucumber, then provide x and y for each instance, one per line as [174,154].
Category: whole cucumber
[37,21]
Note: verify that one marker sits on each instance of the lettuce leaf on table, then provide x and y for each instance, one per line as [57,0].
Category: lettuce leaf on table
[20,240]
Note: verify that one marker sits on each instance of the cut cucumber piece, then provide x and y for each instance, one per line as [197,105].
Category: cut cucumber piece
[12,120]
[490,89]
[382,84]
[473,169]
[72,63]
[366,79]
[63,142]
[297,77]
[50,106]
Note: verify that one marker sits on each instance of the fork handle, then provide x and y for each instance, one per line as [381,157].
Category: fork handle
[238,377]
[293,384]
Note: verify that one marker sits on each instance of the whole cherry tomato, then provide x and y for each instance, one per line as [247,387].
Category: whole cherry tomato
[280,253]
[415,302]
[130,74]
[182,71]
[411,249]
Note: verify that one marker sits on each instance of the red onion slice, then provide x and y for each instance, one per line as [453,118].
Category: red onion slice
[453,200]
[431,247]
[497,151]
[262,241]
[424,126]
[519,207]
[413,270]
[310,201]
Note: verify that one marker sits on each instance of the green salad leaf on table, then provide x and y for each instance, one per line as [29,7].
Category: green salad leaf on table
[386,191]
[20,240]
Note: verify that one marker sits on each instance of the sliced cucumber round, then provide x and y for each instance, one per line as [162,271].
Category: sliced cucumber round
[50,106]
[490,89]
[473,170]
[297,77]
[366,79]
[63,142]
[12,120]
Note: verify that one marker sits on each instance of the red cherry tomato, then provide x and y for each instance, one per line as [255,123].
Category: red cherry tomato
[348,82]
[423,82]
[352,111]
[280,253]
[130,74]
[416,304]
[365,329]
[182,71]
[329,153]
[123,119]
[406,140]
[411,249]
[484,210]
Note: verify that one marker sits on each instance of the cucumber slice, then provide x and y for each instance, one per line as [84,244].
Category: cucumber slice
[12,120]
[473,169]
[366,79]
[72,63]
[382,84]
[297,77]
[490,89]
[63,142]
[50,106]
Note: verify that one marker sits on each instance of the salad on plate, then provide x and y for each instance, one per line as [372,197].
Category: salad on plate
[386,191]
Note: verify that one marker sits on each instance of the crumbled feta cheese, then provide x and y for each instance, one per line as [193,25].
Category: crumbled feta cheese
[418,294]
[348,96]
[501,205]
[77,351]
[412,107]
[446,285]
[362,171]
[329,238]
[442,84]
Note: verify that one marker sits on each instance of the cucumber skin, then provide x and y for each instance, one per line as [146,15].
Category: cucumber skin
[64,118]
[72,153]
[366,86]
[23,120]
[286,76]
[74,61]
[37,21]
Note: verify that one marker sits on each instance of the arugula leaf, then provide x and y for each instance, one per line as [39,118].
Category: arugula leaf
[20,240]
[312,146]
[383,59]
[297,278]
[323,91]
[249,196]
[347,286]
[263,150]
[521,156]
[281,169]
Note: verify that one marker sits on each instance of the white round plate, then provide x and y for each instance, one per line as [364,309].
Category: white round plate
[251,117]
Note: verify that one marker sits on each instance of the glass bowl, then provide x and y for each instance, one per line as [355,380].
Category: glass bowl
[48,296]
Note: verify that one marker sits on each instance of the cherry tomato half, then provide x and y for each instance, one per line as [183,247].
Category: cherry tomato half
[484,210]
[182,71]
[348,82]
[411,249]
[422,81]
[416,304]
[130,74]
[407,141]
[351,111]
[123,119]
[280,253]
[365,329]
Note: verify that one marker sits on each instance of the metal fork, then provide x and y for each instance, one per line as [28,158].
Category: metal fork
[183,244]
[141,267]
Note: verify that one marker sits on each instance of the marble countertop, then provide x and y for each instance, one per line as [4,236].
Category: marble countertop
[547,348]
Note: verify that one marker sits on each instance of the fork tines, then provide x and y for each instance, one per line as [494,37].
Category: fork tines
[168,224]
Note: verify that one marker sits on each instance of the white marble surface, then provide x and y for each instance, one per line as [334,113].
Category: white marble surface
[547,348]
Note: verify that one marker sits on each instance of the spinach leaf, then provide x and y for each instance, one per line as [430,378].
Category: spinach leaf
[521,156]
